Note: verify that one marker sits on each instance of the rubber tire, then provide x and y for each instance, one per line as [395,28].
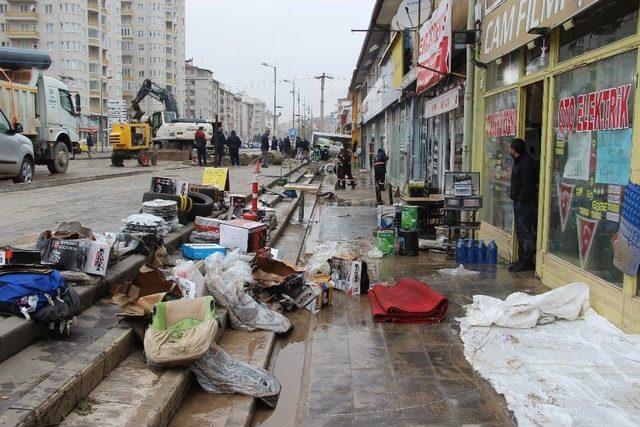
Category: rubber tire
[21,176]
[207,191]
[117,161]
[62,151]
[202,205]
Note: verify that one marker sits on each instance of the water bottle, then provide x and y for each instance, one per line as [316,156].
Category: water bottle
[492,253]
[482,253]
[472,252]
[461,252]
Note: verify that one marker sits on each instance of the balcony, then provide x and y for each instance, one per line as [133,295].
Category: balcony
[93,6]
[24,35]
[93,24]
[94,58]
[94,93]
[21,16]
[127,12]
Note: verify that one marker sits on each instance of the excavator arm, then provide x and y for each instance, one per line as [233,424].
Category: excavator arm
[151,89]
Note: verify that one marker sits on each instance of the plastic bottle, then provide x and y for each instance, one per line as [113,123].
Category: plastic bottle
[461,252]
[492,253]
[482,253]
[472,251]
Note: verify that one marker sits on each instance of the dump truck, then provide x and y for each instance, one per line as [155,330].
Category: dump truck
[44,107]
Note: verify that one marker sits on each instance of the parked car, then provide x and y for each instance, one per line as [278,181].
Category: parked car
[16,152]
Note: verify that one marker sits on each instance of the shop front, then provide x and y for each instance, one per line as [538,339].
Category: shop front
[567,87]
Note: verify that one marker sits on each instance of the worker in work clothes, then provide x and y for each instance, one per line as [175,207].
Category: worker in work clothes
[524,196]
[264,146]
[219,141]
[380,173]
[200,143]
[89,144]
[344,169]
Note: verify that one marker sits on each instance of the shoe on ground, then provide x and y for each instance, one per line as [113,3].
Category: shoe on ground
[525,266]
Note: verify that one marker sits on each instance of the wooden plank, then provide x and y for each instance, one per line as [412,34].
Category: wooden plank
[307,188]
[430,198]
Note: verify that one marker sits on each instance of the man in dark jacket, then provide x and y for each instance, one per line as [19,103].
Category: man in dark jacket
[274,144]
[200,143]
[286,148]
[219,141]
[234,144]
[344,165]
[264,146]
[524,196]
[380,173]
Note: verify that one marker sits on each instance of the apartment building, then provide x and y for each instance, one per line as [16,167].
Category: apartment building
[259,123]
[202,93]
[229,109]
[245,116]
[153,47]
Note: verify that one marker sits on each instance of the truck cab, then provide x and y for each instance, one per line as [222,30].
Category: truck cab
[170,132]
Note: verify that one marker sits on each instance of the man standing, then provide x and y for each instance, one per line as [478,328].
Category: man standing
[264,146]
[234,144]
[380,173]
[219,141]
[274,144]
[89,144]
[524,196]
[201,146]
[344,158]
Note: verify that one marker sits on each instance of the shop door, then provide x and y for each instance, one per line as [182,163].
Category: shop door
[533,99]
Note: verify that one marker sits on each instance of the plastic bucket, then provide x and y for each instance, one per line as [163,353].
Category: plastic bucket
[408,242]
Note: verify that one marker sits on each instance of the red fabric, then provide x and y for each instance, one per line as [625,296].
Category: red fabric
[409,301]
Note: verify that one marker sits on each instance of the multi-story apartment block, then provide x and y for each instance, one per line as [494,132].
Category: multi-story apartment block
[259,123]
[153,47]
[202,93]
[245,124]
[102,49]
[229,109]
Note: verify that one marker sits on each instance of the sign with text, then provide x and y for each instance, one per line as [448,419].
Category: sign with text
[501,123]
[507,26]
[606,109]
[216,177]
[446,102]
[435,47]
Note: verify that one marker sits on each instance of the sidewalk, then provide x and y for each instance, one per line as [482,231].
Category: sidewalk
[356,372]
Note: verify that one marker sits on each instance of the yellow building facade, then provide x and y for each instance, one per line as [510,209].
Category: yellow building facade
[563,76]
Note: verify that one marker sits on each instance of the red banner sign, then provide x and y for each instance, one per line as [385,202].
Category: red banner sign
[586,232]
[606,109]
[435,47]
[565,196]
[500,123]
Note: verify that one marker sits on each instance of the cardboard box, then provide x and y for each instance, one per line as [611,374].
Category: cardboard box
[248,236]
[346,274]
[201,250]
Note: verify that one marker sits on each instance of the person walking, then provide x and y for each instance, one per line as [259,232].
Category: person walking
[524,196]
[89,144]
[234,144]
[380,173]
[274,144]
[340,170]
[200,142]
[264,146]
[280,145]
[219,141]
[287,146]
[345,159]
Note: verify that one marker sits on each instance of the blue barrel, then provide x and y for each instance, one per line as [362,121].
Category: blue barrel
[482,253]
[492,253]
[472,252]
[461,252]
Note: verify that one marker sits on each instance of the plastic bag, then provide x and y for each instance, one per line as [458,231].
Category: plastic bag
[459,271]
[225,280]
[189,271]
[217,372]
[318,262]
[375,253]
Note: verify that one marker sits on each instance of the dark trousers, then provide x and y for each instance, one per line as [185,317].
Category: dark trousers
[265,158]
[218,159]
[202,156]
[346,174]
[380,185]
[235,157]
[525,221]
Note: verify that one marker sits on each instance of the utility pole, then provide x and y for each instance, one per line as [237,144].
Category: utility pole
[322,79]
[299,116]
[293,106]
[275,95]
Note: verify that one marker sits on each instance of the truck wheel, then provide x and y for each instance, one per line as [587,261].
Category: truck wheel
[60,161]
[117,161]
[26,171]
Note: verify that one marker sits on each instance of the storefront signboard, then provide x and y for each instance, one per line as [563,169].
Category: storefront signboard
[501,123]
[435,47]
[446,102]
[507,26]
[382,93]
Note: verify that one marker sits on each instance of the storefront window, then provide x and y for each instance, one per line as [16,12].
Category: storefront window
[503,71]
[603,23]
[537,55]
[591,163]
[499,129]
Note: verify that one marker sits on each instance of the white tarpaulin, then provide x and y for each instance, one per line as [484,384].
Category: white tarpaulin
[582,372]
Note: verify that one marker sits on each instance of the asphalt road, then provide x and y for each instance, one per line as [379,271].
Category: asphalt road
[100,205]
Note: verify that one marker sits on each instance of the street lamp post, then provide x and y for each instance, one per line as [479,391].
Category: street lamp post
[275,93]
[293,107]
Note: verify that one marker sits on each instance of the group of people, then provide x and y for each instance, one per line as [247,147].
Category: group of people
[219,141]
[283,146]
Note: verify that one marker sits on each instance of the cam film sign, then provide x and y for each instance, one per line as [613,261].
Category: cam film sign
[507,26]
[435,47]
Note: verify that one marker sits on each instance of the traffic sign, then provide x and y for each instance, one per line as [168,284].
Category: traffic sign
[293,132]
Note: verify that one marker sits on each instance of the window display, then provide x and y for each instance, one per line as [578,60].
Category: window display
[500,124]
[591,162]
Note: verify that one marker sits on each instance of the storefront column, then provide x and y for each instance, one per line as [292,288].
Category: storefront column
[452,141]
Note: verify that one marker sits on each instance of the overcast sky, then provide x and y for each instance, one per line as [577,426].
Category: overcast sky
[304,38]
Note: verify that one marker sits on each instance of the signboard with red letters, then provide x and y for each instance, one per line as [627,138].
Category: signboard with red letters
[446,102]
[501,123]
[435,47]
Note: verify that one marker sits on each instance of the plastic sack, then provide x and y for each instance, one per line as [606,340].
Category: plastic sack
[458,271]
[318,263]
[375,253]
[189,271]
[217,372]
[225,280]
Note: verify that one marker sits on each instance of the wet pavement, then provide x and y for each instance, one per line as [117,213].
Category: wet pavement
[339,368]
